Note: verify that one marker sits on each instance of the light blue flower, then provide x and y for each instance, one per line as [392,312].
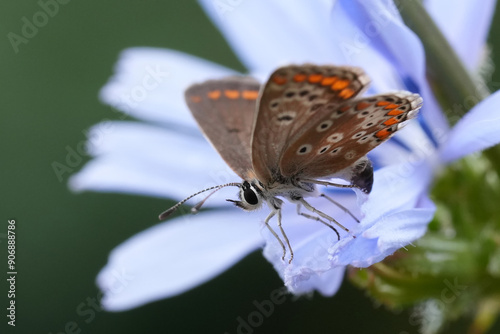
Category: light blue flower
[167,157]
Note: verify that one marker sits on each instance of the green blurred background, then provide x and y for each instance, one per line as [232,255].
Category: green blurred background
[48,99]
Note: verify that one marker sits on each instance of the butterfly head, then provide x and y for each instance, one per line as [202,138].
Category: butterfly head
[251,196]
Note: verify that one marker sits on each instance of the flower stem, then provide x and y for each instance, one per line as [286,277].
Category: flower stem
[485,316]
[453,84]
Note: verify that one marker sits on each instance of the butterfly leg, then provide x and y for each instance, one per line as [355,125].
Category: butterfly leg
[284,237]
[325,183]
[316,219]
[346,210]
[322,214]
[271,215]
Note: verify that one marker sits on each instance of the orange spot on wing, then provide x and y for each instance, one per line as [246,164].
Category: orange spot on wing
[250,94]
[362,105]
[213,95]
[346,93]
[232,94]
[383,103]
[299,77]
[279,79]
[382,134]
[391,121]
[328,81]
[345,108]
[340,84]
[391,106]
[195,99]
[395,112]
[314,78]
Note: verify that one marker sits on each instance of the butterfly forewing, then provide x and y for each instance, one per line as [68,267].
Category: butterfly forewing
[291,100]
[346,133]
[224,110]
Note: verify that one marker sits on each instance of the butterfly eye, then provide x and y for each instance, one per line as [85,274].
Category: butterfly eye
[250,197]
[249,194]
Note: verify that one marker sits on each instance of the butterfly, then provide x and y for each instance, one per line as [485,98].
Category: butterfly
[306,125]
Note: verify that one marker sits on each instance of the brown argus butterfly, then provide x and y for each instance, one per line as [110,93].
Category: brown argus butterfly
[305,125]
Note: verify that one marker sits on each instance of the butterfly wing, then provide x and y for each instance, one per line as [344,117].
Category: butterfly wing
[340,138]
[224,110]
[291,99]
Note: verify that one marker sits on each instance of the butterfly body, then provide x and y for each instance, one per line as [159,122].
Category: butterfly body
[253,193]
[305,125]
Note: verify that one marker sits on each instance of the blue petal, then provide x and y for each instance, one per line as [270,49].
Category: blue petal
[267,34]
[173,257]
[139,158]
[397,188]
[477,130]
[412,144]
[391,232]
[149,84]
[381,25]
[465,24]
[380,32]
[397,214]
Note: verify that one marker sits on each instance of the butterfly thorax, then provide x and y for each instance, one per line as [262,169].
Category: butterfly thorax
[253,193]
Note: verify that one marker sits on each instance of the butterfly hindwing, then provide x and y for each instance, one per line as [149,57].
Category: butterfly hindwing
[337,140]
[291,100]
[224,110]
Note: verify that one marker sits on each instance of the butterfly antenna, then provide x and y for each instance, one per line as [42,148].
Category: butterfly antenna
[195,209]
